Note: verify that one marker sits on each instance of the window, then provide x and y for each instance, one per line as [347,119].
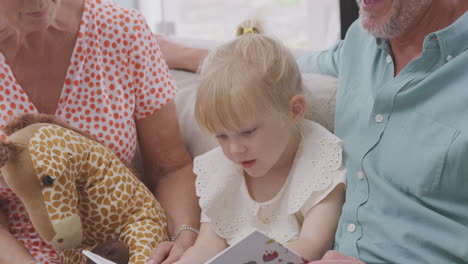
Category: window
[127,3]
[305,24]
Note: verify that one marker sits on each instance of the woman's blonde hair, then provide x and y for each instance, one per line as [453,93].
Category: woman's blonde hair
[250,75]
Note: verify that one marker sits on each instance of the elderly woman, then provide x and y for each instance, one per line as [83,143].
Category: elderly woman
[96,66]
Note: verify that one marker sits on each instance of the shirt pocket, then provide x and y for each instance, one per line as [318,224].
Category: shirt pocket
[413,151]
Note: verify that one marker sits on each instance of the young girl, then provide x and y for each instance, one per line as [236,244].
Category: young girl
[273,171]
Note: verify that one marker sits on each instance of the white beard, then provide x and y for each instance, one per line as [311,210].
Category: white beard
[403,15]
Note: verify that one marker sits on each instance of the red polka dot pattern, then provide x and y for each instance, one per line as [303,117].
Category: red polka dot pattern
[116,75]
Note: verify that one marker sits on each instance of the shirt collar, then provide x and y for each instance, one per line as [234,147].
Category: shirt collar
[451,40]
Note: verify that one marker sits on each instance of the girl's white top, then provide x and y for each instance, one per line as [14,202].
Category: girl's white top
[233,214]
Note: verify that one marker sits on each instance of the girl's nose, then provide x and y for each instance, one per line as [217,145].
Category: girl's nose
[237,147]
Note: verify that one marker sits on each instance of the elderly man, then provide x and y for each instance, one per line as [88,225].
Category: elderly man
[401,112]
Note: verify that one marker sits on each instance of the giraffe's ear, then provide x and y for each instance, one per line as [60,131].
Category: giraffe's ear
[4,153]
[13,162]
[8,151]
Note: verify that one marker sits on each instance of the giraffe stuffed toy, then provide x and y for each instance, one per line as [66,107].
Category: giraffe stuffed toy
[77,192]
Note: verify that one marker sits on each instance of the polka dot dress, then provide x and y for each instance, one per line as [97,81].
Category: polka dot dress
[116,75]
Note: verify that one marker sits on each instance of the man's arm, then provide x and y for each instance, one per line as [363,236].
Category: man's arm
[325,62]
[179,56]
[187,58]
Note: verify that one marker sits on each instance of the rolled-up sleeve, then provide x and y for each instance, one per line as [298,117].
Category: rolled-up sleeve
[324,62]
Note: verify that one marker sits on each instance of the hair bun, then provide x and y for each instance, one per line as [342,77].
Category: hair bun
[250,26]
[4,153]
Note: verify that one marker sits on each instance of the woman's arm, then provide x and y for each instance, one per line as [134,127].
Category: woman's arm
[179,56]
[319,227]
[12,250]
[168,167]
[208,244]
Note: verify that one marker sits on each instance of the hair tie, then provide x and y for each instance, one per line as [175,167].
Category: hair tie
[248,30]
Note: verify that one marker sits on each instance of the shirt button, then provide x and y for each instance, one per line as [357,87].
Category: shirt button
[379,118]
[389,59]
[360,175]
[351,228]
[449,57]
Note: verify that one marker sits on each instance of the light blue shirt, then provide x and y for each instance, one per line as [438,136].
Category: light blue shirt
[405,147]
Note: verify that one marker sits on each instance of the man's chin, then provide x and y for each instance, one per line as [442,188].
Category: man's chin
[376,29]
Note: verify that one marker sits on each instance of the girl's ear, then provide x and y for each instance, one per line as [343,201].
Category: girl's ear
[297,106]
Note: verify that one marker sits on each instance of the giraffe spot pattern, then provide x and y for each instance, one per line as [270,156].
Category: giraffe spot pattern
[109,209]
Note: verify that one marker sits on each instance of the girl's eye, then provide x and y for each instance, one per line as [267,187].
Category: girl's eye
[248,132]
[221,136]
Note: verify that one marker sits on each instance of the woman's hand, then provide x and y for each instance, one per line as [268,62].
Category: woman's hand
[208,244]
[168,252]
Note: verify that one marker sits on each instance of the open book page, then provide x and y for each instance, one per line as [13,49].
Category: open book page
[256,248]
[96,258]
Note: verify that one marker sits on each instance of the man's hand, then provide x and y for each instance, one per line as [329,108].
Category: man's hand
[178,56]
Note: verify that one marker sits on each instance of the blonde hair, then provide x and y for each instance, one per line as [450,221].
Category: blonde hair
[250,75]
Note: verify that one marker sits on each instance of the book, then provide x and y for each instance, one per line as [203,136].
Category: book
[96,258]
[256,248]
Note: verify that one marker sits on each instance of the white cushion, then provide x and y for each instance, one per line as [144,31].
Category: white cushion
[320,93]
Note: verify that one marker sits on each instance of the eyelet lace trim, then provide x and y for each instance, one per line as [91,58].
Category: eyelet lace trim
[219,184]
